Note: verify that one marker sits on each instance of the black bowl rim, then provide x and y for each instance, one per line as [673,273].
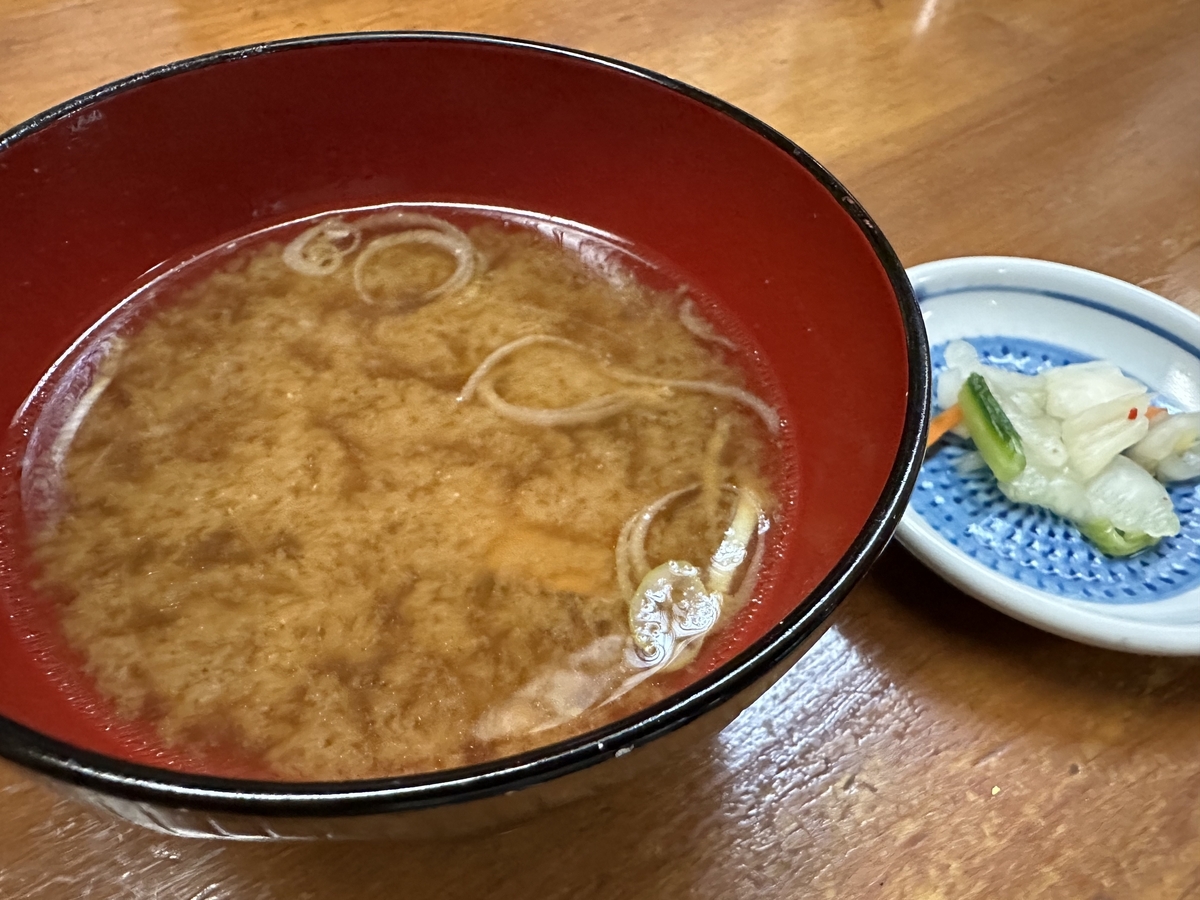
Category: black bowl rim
[144,783]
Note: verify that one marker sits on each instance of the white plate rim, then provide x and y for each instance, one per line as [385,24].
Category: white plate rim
[1088,623]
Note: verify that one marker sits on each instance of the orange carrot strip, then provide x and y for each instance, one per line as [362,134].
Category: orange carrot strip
[1153,412]
[943,422]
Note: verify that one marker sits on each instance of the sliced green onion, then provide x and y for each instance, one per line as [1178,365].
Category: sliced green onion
[730,555]
[990,428]
[322,249]
[605,405]
[455,243]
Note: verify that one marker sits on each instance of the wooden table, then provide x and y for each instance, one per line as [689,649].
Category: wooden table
[926,747]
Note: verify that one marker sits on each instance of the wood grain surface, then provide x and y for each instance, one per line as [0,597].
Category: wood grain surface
[927,747]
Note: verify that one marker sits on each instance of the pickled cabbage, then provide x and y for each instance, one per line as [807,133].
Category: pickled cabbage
[1075,424]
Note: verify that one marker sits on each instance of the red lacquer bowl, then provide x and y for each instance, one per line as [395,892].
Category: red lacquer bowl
[147,171]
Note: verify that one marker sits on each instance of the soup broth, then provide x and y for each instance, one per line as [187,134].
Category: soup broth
[388,492]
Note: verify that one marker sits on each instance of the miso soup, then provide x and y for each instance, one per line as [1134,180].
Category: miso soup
[396,490]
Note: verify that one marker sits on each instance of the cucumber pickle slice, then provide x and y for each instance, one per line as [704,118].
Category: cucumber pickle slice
[993,433]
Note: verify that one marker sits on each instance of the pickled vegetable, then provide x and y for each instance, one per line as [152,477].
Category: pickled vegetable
[1113,541]
[993,433]
[1058,440]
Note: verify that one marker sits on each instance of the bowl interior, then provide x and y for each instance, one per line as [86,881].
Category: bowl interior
[121,182]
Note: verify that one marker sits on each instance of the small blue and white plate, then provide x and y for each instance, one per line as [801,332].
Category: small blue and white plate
[1026,314]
